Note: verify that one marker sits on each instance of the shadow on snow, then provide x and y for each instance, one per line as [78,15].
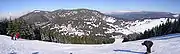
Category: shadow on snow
[128,51]
[166,37]
[16,53]
[35,53]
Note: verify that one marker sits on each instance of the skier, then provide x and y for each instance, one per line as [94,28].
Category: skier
[17,35]
[148,45]
[12,36]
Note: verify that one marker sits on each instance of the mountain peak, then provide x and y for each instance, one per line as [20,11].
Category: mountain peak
[37,11]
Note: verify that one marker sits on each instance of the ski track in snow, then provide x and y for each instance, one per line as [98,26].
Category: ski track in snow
[168,44]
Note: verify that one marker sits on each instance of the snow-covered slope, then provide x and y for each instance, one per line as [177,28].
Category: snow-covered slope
[140,25]
[177,15]
[168,44]
[147,24]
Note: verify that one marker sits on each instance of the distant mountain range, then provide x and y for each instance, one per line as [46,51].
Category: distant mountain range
[80,22]
[142,15]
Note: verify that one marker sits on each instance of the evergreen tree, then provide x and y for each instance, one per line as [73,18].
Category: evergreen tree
[37,33]
[3,26]
[178,27]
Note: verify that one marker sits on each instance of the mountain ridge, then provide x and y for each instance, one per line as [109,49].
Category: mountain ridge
[83,22]
[85,15]
[142,15]
[74,19]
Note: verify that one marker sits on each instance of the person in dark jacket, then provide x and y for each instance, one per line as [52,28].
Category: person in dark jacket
[12,36]
[148,45]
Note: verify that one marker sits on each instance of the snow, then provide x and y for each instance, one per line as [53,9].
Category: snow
[40,23]
[168,44]
[140,26]
[110,19]
[77,33]
[88,22]
[36,11]
[148,24]
[111,30]
[99,34]
[75,12]
[46,25]
[176,15]
[124,31]
[55,27]
[69,30]
[95,25]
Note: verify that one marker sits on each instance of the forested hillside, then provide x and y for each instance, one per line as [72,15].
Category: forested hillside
[32,32]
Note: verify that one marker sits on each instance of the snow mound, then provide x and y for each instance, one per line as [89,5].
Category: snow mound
[168,44]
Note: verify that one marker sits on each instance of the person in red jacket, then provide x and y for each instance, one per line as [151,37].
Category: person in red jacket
[17,35]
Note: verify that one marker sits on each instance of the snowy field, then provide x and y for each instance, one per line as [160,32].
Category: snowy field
[168,44]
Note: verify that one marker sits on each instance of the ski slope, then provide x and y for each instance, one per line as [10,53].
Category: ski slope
[168,44]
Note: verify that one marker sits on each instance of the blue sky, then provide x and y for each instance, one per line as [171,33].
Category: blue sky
[101,5]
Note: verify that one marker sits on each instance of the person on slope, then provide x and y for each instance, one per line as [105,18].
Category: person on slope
[148,45]
[12,36]
[17,35]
